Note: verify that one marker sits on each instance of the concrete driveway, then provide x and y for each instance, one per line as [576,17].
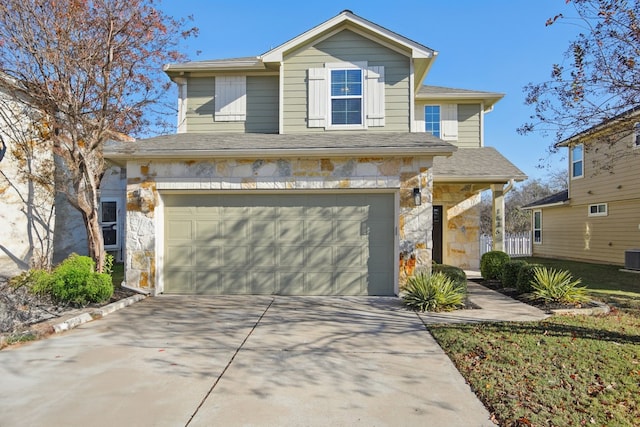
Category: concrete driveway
[177,361]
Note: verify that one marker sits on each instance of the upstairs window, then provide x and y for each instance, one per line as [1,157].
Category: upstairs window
[636,135]
[432,119]
[346,97]
[577,161]
[441,121]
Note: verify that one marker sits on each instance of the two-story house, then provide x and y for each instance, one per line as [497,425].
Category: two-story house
[321,167]
[597,219]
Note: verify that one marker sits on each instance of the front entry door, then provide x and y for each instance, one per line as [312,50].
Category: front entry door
[437,234]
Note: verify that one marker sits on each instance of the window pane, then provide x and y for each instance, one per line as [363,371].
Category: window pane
[346,83]
[346,111]
[432,119]
[593,209]
[108,212]
[577,169]
[537,236]
[109,234]
[536,219]
[577,153]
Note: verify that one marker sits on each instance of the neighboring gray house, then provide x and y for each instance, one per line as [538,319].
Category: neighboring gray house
[321,167]
[39,227]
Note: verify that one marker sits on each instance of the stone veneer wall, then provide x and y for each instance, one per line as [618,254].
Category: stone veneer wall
[462,233]
[146,180]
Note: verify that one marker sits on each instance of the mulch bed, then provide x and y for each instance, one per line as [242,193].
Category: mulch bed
[544,306]
[21,311]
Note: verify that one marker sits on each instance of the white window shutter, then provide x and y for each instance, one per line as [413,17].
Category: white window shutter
[375,96]
[317,97]
[231,98]
[449,121]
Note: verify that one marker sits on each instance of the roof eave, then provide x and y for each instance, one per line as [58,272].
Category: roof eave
[547,205]
[489,101]
[278,153]
[478,179]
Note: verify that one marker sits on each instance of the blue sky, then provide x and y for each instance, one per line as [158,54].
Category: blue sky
[490,45]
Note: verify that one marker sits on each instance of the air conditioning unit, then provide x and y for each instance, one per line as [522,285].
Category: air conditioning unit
[632,259]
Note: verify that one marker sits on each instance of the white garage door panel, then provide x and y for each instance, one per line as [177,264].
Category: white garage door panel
[318,244]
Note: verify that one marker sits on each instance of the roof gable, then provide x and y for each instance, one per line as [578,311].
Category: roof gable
[346,18]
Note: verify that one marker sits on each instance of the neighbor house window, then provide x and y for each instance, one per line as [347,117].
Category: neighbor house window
[636,135]
[432,119]
[598,210]
[577,161]
[346,97]
[537,227]
[109,223]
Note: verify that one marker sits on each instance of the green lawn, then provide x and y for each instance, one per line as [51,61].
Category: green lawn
[566,370]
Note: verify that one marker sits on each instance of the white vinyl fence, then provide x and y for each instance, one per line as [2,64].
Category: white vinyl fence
[514,244]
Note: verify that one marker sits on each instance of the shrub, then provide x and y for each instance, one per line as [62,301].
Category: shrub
[75,282]
[492,263]
[456,274]
[432,292]
[510,272]
[525,277]
[550,285]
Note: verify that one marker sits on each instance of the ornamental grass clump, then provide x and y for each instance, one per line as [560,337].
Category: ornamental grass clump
[556,286]
[432,292]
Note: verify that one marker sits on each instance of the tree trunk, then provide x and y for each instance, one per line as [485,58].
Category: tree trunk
[94,239]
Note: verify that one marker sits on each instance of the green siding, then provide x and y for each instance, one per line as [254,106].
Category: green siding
[346,46]
[468,125]
[262,106]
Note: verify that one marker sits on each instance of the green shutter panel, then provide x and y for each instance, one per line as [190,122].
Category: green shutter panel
[317,97]
[449,121]
[375,96]
[231,98]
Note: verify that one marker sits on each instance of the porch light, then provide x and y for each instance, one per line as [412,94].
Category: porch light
[417,197]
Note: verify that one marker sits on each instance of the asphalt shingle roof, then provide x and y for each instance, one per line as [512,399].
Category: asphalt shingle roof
[185,145]
[559,197]
[482,163]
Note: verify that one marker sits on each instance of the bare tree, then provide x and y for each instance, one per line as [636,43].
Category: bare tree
[599,79]
[93,70]
[518,220]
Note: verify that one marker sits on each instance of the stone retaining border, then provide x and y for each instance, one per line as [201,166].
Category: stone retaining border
[96,314]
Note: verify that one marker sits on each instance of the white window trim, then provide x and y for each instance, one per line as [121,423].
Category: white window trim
[533,227]
[362,66]
[605,213]
[572,162]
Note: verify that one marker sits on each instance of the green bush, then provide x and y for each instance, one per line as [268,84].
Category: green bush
[75,282]
[510,272]
[432,292]
[456,274]
[526,275]
[492,263]
[550,285]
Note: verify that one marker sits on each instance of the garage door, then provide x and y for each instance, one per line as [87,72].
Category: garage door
[293,244]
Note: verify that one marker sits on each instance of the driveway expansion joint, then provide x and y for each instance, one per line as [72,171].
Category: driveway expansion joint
[204,399]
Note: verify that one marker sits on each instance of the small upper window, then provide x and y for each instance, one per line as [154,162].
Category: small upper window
[636,135]
[577,161]
[432,119]
[598,210]
[346,97]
